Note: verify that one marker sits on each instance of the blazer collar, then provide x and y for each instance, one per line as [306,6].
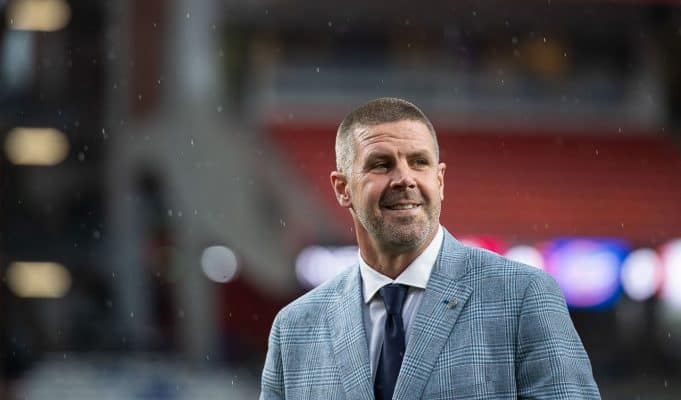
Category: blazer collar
[444,298]
[349,337]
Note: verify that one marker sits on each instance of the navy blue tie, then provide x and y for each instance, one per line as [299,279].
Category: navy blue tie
[393,341]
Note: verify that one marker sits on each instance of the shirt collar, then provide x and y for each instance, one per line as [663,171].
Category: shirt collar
[416,274]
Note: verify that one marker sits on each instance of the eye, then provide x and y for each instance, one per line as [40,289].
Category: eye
[421,162]
[380,165]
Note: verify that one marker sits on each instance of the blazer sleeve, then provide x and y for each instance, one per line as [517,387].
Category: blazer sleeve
[272,382]
[551,362]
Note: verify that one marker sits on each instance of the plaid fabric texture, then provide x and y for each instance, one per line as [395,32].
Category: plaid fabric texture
[487,328]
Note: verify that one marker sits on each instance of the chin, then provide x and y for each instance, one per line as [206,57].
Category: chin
[406,240]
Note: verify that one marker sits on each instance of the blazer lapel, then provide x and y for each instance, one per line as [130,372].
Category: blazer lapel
[349,338]
[442,303]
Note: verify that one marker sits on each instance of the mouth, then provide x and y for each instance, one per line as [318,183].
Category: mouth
[401,206]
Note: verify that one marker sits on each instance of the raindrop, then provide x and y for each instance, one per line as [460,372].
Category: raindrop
[132,315]
[170,212]
[317,69]
[104,135]
[188,15]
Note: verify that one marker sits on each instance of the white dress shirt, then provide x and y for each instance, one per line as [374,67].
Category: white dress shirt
[415,276]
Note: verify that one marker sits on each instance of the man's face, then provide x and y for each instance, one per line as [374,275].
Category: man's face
[395,186]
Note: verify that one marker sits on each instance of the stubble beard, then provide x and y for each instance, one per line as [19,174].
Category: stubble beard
[402,234]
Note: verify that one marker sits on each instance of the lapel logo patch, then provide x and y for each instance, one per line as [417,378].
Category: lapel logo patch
[450,303]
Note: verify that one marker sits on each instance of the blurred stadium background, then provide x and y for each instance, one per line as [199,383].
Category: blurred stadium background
[164,175]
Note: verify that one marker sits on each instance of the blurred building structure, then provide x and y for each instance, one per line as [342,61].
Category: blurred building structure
[165,166]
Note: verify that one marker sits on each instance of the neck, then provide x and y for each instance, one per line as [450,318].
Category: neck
[390,262]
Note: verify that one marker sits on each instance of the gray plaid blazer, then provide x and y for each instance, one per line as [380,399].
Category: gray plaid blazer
[487,328]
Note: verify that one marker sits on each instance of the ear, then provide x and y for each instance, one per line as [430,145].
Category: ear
[339,182]
[441,179]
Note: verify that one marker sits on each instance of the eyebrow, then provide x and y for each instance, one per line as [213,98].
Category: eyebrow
[378,154]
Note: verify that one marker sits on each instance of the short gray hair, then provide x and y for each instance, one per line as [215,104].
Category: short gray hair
[375,112]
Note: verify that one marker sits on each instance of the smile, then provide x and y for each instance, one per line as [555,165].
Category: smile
[402,206]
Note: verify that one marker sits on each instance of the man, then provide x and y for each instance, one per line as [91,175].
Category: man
[420,315]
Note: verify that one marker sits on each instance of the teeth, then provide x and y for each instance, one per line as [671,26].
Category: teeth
[402,206]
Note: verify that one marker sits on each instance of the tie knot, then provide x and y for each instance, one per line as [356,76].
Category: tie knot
[393,297]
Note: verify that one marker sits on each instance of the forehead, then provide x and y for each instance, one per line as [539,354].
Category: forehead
[405,135]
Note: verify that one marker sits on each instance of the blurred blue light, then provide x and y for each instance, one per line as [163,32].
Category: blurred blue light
[587,270]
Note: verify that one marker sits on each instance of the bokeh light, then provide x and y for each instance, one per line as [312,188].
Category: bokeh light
[317,264]
[671,259]
[641,274]
[38,279]
[36,146]
[219,264]
[38,15]
[588,271]
[526,255]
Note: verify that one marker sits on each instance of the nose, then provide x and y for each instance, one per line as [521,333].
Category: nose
[402,177]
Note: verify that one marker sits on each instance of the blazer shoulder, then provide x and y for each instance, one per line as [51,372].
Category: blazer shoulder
[489,265]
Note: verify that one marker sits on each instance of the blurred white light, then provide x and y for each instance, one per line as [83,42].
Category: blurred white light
[526,255]
[38,279]
[671,260]
[219,264]
[316,264]
[38,15]
[36,146]
[641,274]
